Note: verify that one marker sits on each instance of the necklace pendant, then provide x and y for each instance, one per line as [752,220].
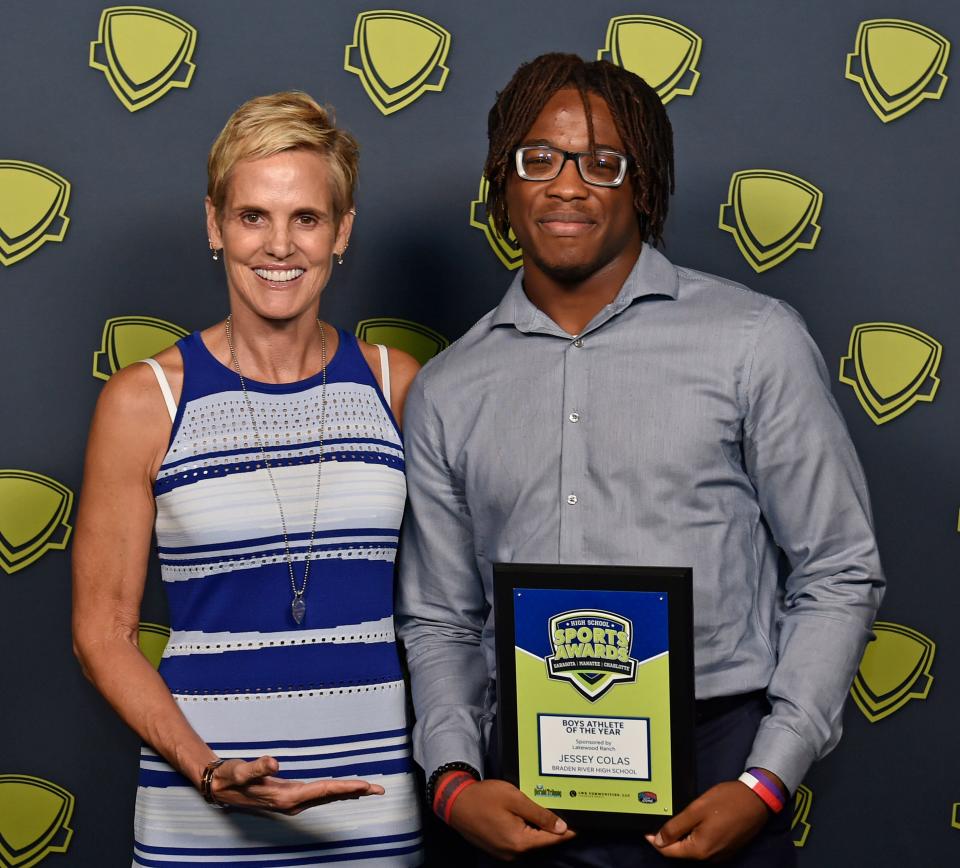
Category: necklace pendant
[298,609]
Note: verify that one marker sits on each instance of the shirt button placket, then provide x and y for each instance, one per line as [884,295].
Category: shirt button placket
[572,453]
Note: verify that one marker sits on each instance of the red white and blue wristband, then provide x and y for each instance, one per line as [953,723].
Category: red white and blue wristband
[773,796]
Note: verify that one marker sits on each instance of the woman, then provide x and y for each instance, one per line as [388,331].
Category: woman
[265,450]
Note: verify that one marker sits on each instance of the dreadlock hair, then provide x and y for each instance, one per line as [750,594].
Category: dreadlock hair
[637,112]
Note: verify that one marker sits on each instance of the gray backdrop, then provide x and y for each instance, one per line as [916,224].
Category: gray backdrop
[772,94]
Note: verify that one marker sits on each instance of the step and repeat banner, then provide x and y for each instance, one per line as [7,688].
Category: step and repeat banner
[816,162]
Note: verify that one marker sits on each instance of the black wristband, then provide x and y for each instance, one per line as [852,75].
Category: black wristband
[440,772]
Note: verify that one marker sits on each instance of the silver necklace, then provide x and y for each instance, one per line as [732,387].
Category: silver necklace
[298,608]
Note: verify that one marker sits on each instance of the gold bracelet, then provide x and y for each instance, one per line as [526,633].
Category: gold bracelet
[206,782]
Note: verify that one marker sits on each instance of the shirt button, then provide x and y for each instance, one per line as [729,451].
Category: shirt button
[574,417]
[578,342]
[572,499]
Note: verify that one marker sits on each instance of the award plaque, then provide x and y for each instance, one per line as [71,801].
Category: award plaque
[595,691]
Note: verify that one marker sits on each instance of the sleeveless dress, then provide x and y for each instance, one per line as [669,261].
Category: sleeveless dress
[326,698]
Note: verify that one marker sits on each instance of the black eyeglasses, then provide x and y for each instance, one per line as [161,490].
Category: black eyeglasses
[602,168]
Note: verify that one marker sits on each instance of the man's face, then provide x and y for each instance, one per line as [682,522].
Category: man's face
[569,229]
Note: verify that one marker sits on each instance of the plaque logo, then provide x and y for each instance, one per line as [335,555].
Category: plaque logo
[33,517]
[663,53]
[895,669]
[421,341]
[591,650]
[33,209]
[890,367]
[34,820]
[898,64]
[507,249]
[771,215]
[398,56]
[128,339]
[143,53]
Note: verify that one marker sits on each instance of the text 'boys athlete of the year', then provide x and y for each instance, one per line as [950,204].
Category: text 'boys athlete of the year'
[624,410]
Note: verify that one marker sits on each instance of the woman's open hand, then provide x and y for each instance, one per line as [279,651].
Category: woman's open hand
[241,784]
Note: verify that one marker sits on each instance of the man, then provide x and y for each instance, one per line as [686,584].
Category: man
[617,409]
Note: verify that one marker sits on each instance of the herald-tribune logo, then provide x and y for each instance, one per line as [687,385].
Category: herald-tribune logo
[591,650]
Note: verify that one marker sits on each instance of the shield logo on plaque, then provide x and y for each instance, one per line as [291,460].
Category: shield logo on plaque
[421,341]
[801,812]
[890,367]
[895,669]
[128,339]
[898,64]
[591,650]
[507,249]
[143,53]
[34,820]
[771,215]
[398,57]
[33,206]
[152,639]
[33,517]
[663,53]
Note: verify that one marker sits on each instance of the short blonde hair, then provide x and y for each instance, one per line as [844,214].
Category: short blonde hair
[267,125]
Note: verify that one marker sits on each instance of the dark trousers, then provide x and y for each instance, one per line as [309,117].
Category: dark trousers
[723,744]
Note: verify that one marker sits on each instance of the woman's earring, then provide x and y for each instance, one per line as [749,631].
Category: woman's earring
[213,250]
[339,259]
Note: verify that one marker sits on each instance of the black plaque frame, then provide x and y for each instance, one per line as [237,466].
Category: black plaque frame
[676,582]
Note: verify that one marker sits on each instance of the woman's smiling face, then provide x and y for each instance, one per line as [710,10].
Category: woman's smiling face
[279,233]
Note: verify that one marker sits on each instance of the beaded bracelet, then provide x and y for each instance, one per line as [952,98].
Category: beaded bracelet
[773,796]
[444,769]
[206,782]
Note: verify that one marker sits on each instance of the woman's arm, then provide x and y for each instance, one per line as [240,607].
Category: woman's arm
[127,442]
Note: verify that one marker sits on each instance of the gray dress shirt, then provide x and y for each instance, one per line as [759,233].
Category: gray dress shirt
[689,424]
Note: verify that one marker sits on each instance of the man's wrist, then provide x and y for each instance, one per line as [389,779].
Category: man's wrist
[767,787]
[441,771]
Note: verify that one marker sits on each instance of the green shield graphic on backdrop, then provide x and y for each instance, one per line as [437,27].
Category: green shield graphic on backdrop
[890,367]
[34,820]
[33,209]
[128,339]
[143,53]
[662,52]
[33,517]
[398,56]
[895,669]
[898,64]
[421,341]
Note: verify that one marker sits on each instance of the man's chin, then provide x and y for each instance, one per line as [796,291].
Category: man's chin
[567,272]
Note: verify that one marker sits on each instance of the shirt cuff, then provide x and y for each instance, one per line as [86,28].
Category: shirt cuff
[782,752]
[436,747]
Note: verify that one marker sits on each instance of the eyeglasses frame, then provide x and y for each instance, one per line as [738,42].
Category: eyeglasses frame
[575,156]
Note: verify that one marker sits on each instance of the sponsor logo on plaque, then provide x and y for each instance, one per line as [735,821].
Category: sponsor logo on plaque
[663,53]
[771,215]
[591,650]
[890,367]
[895,669]
[898,64]
[34,820]
[398,57]
[33,209]
[144,53]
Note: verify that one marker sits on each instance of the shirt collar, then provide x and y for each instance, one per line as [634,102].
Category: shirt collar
[652,275]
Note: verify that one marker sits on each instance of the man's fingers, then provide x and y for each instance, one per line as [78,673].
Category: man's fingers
[536,838]
[679,827]
[537,816]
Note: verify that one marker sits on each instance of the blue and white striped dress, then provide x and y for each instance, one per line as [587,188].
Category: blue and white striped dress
[326,698]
